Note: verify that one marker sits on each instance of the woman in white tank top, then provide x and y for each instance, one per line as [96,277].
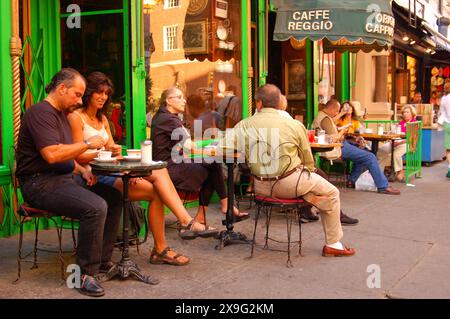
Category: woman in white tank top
[157,188]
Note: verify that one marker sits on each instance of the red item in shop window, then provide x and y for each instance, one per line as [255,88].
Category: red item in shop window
[446,72]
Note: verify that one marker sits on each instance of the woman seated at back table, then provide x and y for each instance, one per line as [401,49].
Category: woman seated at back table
[157,188]
[384,152]
[349,118]
[169,138]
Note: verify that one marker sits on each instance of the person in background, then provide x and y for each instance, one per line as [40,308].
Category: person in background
[230,108]
[362,159]
[434,99]
[208,96]
[350,118]
[196,108]
[417,98]
[444,120]
[384,152]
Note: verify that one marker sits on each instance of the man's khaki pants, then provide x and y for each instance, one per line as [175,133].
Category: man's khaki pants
[315,190]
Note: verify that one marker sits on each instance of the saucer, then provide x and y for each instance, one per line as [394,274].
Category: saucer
[105,160]
[132,158]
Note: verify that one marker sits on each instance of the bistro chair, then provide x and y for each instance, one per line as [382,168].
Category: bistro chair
[27,213]
[290,209]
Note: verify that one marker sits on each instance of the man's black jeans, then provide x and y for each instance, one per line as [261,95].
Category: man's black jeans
[98,209]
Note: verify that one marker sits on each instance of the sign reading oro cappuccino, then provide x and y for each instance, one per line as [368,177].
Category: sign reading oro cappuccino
[357,21]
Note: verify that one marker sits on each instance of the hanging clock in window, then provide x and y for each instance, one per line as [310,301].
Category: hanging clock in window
[222,32]
[196,7]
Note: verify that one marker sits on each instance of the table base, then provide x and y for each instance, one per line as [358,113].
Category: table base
[227,237]
[127,268]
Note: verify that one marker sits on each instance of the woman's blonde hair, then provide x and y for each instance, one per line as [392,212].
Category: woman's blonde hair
[447,88]
[411,108]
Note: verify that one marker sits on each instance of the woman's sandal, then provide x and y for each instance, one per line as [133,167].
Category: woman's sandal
[163,258]
[237,218]
[187,232]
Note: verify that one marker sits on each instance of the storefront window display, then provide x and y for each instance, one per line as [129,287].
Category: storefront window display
[327,75]
[412,68]
[195,46]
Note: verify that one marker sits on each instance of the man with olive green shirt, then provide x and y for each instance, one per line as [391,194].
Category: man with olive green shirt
[278,153]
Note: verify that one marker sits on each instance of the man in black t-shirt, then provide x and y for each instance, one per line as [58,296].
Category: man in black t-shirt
[45,163]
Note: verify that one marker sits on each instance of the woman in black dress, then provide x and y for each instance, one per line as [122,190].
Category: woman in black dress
[169,137]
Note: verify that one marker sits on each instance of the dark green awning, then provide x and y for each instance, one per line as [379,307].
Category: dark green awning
[346,24]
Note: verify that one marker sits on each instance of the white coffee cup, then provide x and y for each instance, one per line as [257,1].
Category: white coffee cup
[104,155]
[134,153]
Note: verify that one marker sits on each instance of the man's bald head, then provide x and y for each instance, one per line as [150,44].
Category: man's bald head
[332,107]
[269,95]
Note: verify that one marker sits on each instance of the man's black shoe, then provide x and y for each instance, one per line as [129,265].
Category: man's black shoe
[307,216]
[90,287]
[346,220]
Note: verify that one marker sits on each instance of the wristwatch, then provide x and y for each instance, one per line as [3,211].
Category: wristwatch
[88,143]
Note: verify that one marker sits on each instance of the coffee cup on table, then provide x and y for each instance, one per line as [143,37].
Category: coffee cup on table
[136,153]
[104,155]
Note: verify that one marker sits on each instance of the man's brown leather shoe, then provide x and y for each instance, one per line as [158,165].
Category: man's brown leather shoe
[389,191]
[331,252]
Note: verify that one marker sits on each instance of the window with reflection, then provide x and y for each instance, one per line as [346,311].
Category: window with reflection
[195,46]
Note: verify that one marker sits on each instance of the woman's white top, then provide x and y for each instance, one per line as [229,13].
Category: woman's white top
[89,131]
[444,110]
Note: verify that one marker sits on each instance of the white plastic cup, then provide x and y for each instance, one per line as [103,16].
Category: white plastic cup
[146,151]
[321,137]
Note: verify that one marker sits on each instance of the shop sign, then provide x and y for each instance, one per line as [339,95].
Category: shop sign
[378,22]
[315,20]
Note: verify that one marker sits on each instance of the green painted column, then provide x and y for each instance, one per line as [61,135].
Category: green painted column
[245,38]
[136,107]
[45,24]
[343,76]
[262,42]
[309,81]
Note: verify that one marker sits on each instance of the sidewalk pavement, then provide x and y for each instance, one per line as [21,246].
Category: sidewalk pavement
[406,236]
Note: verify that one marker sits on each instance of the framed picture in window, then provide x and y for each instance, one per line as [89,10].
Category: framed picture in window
[295,78]
[221,9]
[195,37]
[400,60]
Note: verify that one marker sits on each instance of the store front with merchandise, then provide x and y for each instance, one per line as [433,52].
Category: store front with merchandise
[313,47]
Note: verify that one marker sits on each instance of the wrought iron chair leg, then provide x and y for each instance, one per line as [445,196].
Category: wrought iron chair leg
[288,230]
[268,211]
[61,258]
[36,235]
[19,253]
[258,211]
[74,240]
[299,232]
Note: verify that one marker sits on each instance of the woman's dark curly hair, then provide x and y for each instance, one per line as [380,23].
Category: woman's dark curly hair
[97,82]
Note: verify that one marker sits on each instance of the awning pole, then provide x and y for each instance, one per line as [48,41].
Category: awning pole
[15,51]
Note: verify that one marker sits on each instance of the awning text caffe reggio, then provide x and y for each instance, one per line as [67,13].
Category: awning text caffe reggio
[357,22]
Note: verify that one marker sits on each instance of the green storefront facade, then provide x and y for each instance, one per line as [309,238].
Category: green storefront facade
[49,42]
